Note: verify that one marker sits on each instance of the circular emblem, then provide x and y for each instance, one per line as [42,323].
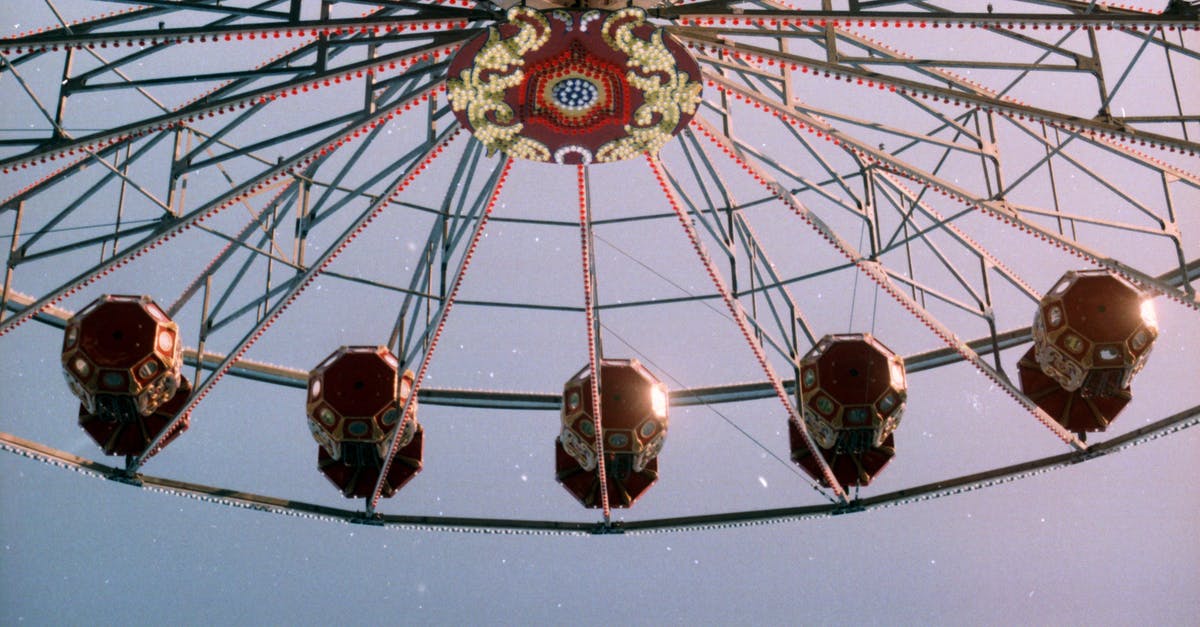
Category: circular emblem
[575,94]
[574,86]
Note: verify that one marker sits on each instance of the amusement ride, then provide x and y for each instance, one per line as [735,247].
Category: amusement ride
[855,192]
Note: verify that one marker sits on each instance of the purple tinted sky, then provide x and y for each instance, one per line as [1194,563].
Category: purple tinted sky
[1111,541]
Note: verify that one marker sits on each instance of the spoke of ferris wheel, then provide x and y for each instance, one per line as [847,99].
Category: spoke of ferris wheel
[874,270]
[334,185]
[854,201]
[447,235]
[287,193]
[225,13]
[297,285]
[229,287]
[1111,147]
[80,84]
[78,200]
[58,131]
[63,173]
[252,185]
[738,229]
[868,175]
[974,98]
[94,24]
[889,185]
[29,257]
[982,311]
[707,177]
[970,146]
[257,30]
[869,214]
[208,6]
[495,184]
[593,332]
[737,311]
[1056,149]
[786,343]
[118,17]
[304,222]
[948,225]
[975,142]
[880,54]
[1080,17]
[189,163]
[284,61]
[238,101]
[1001,209]
[185,164]
[1076,62]
[978,310]
[726,244]
[141,152]
[106,66]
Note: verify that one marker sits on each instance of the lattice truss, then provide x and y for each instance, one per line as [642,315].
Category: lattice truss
[238,151]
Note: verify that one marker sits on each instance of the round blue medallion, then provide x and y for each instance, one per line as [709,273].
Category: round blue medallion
[575,93]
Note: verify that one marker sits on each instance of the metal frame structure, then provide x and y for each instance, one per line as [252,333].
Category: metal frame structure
[186,156]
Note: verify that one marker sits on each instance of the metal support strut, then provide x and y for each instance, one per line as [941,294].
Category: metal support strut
[585,232]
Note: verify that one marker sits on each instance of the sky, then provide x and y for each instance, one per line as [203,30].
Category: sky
[1109,541]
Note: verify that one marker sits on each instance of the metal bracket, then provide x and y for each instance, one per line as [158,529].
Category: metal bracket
[363,518]
[608,528]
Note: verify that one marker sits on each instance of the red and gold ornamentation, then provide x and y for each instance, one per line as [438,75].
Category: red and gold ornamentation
[574,86]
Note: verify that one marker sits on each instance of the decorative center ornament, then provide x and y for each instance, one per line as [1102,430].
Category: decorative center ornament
[574,87]
[575,94]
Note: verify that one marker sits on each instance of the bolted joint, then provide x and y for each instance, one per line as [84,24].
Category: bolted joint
[127,477]
[851,507]
[608,527]
[166,222]
[363,518]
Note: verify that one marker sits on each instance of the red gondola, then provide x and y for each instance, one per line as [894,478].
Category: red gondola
[354,401]
[633,410]
[1092,333]
[122,357]
[852,395]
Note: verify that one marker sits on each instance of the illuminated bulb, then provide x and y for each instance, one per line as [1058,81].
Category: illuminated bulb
[897,370]
[658,401]
[1148,314]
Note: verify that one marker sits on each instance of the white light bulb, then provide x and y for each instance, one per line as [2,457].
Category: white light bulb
[658,401]
[1149,317]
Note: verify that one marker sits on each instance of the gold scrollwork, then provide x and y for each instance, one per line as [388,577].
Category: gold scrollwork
[667,93]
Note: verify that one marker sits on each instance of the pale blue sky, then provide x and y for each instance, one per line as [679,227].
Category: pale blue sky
[1110,541]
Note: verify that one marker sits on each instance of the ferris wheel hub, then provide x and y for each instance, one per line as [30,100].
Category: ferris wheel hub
[574,87]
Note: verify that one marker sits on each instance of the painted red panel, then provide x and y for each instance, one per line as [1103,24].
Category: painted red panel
[1072,410]
[359,481]
[625,486]
[131,438]
[849,469]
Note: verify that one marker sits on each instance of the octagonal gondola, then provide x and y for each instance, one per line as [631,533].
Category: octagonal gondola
[1092,333]
[633,416]
[355,397]
[122,357]
[852,395]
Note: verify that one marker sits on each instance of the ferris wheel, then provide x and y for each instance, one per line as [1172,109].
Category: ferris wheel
[605,212]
